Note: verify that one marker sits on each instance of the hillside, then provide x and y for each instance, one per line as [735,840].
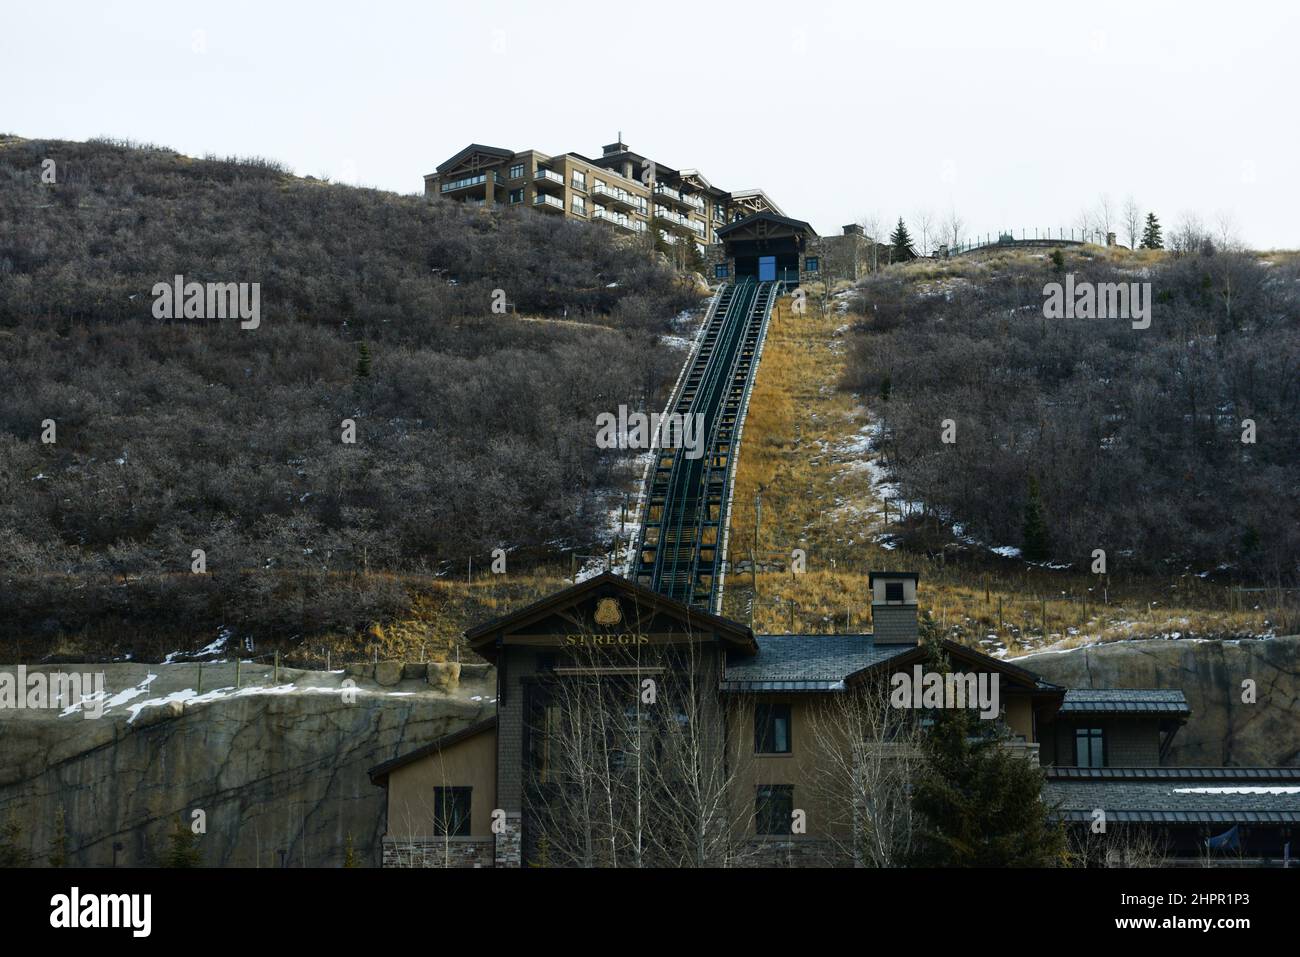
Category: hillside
[473,429]
[844,473]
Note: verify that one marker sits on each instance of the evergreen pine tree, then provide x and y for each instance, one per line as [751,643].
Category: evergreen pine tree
[363,361]
[1036,545]
[1151,234]
[901,240]
[978,802]
[12,853]
[183,848]
[886,387]
[59,843]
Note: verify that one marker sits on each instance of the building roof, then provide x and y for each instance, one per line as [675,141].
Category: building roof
[1125,701]
[737,635]
[827,662]
[1175,795]
[796,224]
[496,151]
[743,194]
[379,773]
[805,662]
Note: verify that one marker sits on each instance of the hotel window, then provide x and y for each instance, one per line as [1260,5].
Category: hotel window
[773,808]
[720,271]
[772,729]
[451,812]
[579,179]
[810,263]
[580,206]
[597,185]
[517,171]
[1089,748]
[517,195]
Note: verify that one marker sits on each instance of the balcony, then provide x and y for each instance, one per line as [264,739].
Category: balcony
[620,197]
[469,182]
[618,219]
[549,176]
[548,202]
[685,199]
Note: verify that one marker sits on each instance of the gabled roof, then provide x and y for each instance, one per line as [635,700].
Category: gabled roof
[805,662]
[379,773]
[797,224]
[832,662]
[744,194]
[738,636]
[494,151]
[1125,701]
[919,654]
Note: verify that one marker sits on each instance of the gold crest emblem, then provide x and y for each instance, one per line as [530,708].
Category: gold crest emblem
[608,612]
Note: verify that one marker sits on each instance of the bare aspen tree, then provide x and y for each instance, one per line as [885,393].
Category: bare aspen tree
[628,760]
[869,757]
[1132,222]
[1104,217]
[1122,846]
[954,229]
[925,224]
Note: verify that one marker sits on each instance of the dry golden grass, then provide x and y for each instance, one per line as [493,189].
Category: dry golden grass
[802,450]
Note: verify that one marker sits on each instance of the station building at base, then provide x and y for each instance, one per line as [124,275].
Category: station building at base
[621,711]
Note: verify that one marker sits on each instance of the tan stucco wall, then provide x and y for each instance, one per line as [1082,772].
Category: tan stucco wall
[798,768]
[467,763]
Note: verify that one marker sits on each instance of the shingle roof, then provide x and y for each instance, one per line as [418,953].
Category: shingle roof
[805,662]
[1124,700]
[1176,795]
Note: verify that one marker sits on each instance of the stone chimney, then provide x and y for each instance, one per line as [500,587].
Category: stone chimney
[853,229]
[893,607]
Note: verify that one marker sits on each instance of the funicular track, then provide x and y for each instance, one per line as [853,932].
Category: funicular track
[682,548]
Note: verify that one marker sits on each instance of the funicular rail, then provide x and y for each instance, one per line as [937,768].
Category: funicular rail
[682,541]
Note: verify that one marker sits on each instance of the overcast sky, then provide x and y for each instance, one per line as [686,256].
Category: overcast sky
[1013,115]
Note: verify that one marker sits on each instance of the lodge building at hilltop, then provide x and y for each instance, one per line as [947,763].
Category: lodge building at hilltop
[748,726]
[737,233]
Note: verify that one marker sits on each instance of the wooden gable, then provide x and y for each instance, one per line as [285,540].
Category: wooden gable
[607,610]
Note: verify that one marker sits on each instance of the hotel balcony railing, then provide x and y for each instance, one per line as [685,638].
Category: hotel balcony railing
[686,199]
[616,195]
[542,199]
[549,176]
[663,212]
[616,218]
[468,181]
[668,237]
[677,219]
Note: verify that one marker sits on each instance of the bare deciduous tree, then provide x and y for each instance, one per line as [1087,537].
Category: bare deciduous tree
[1132,222]
[869,760]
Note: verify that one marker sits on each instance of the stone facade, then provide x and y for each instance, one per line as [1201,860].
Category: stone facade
[509,849]
[789,852]
[439,852]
